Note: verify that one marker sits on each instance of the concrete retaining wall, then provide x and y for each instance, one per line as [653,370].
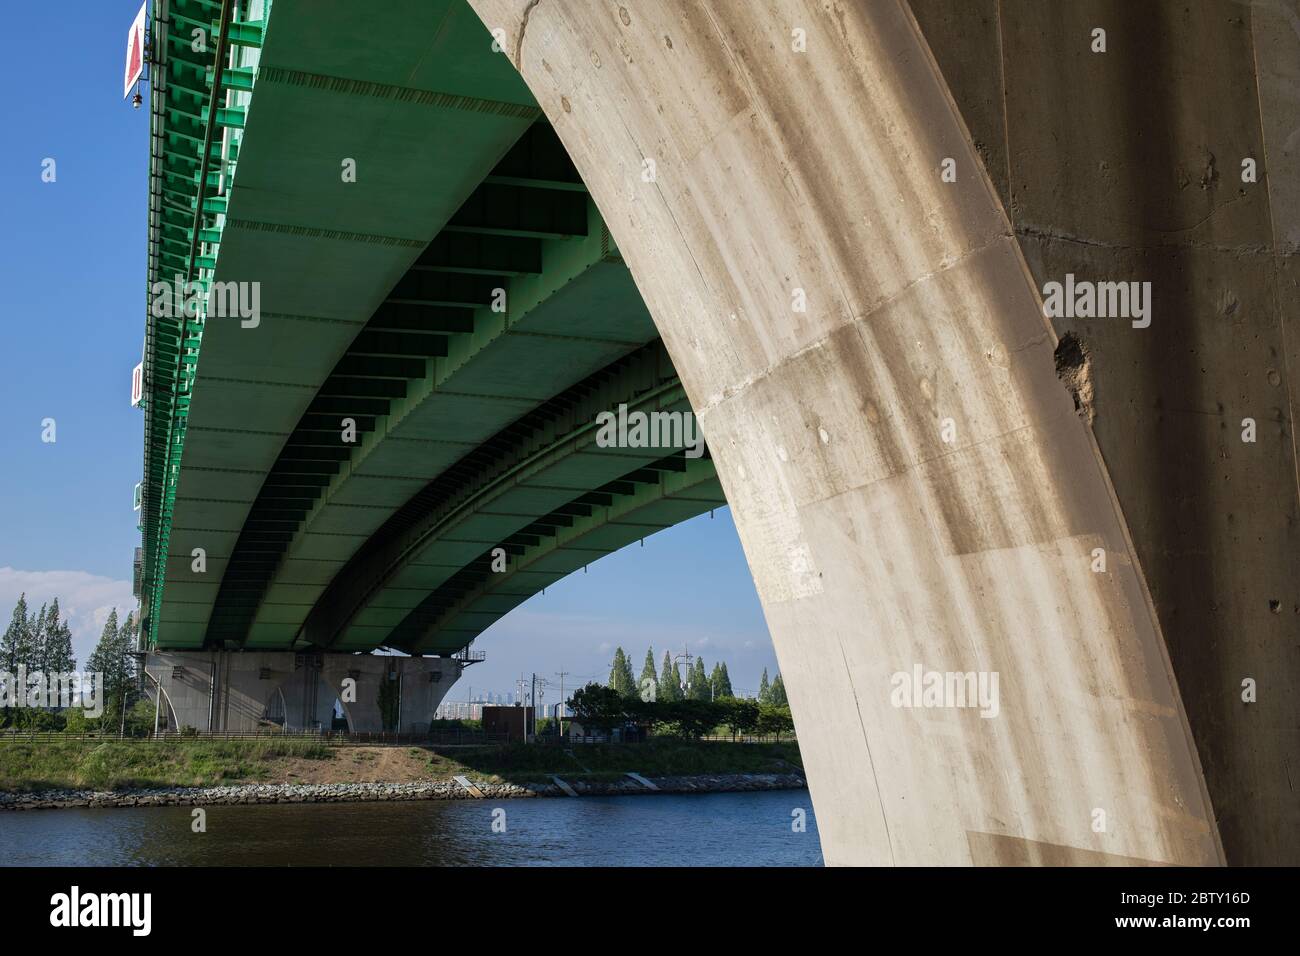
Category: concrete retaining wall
[300,688]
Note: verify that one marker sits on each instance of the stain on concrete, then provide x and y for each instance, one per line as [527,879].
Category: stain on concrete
[996,849]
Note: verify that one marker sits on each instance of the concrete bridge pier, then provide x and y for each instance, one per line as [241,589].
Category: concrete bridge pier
[866,351]
[246,691]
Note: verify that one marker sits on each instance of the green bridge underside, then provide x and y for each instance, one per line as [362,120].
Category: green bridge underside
[443,315]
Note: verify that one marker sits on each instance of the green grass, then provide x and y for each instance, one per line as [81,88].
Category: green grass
[519,763]
[125,764]
[192,762]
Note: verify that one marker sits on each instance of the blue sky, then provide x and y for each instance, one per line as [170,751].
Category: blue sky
[71,328]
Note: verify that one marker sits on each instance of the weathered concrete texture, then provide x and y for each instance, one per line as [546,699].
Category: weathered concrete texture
[1127,166]
[876,544]
[297,691]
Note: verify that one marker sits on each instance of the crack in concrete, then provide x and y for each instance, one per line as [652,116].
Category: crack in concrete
[523,27]
[730,391]
[1038,232]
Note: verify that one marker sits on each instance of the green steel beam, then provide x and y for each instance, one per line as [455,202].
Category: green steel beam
[435,374]
[536,444]
[175,345]
[446,623]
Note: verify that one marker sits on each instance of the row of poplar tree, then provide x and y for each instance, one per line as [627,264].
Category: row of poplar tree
[42,641]
[698,685]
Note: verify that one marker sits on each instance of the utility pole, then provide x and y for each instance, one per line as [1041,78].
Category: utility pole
[534,703]
[560,713]
[685,655]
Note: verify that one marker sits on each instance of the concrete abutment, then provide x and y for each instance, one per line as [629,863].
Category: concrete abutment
[247,691]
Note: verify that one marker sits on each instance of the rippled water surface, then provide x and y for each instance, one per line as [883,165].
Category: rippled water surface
[723,829]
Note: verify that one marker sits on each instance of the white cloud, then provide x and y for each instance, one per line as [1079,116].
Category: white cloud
[85,600]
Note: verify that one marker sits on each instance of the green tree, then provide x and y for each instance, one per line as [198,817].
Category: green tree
[36,640]
[599,708]
[620,675]
[111,658]
[140,718]
[740,716]
[648,676]
[776,693]
[700,688]
[774,720]
[670,687]
[764,689]
[13,646]
[721,682]
[126,637]
[58,643]
[692,718]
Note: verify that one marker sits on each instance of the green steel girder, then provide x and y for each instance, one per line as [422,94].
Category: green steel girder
[538,160]
[469,269]
[181,141]
[507,210]
[553,433]
[368,365]
[445,289]
[485,255]
[592,526]
[246,34]
[381,342]
[398,317]
[444,392]
[236,79]
[415,82]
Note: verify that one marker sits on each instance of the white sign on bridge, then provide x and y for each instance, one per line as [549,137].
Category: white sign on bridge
[135,52]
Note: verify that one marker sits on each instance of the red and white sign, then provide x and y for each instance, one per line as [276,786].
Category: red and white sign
[137,384]
[135,51]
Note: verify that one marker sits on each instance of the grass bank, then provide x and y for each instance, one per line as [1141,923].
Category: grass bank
[195,762]
[656,758]
[127,764]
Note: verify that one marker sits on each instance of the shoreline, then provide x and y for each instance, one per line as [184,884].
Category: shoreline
[269,793]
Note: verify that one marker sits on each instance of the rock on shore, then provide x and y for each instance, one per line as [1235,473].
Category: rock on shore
[364,792]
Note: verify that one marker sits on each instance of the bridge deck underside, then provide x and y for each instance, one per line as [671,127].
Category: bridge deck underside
[457,303]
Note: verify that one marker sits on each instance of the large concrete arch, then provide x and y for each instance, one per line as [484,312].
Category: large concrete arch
[738,175]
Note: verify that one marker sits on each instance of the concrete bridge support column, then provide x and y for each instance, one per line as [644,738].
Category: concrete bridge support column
[1173,158]
[915,494]
[242,692]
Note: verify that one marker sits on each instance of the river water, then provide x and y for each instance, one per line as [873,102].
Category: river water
[721,829]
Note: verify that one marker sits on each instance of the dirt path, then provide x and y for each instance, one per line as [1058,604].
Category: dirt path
[359,765]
